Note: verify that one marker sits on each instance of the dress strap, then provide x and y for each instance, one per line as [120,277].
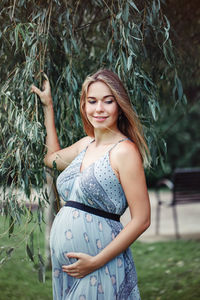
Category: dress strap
[91,141]
[124,139]
[88,144]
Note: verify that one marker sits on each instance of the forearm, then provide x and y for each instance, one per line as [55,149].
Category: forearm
[52,142]
[121,242]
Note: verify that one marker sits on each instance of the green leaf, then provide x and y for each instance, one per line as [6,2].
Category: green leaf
[16,36]
[125,14]
[184,99]
[9,251]
[153,109]
[66,47]
[31,243]
[164,146]
[118,16]
[29,252]
[11,226]
[75,45]
[179,87]
[41,273]
[41,269]
[133,5]
[129,62]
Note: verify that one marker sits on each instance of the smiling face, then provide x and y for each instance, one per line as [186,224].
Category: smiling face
[101,107]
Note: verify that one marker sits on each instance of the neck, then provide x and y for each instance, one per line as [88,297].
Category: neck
[105,137]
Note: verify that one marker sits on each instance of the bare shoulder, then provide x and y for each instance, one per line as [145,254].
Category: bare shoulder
[126,157]
[66,155]
[127,149]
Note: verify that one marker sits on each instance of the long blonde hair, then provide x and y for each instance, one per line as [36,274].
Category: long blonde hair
[128,122]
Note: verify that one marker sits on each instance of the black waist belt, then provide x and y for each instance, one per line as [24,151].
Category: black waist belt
[92,210]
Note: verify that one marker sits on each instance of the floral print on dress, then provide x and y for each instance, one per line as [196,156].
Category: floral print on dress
[69,234]
[89,218]
[76,213]
[56,272]
[86,237]
[93,280]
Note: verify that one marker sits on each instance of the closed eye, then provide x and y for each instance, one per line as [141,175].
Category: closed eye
[91,101]
[109,101]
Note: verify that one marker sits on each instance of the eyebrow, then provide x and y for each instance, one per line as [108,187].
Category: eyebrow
[91,97]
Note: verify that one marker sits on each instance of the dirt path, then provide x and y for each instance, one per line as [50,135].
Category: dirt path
[188,221]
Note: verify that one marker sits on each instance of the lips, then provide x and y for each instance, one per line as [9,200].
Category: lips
[100,118]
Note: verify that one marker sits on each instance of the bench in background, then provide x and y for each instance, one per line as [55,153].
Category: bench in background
[185,188]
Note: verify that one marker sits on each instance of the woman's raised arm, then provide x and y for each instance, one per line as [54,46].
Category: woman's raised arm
[62,157]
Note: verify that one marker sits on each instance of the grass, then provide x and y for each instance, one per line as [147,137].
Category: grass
[18,274]
[166,270]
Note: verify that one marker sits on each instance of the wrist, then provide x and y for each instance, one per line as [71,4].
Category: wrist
[49,105]
[97,262]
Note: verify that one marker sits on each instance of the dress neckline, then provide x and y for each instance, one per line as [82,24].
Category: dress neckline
[102,156]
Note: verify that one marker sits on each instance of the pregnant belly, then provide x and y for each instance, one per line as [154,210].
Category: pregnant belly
[74,230]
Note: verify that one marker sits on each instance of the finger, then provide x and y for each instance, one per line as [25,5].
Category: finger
[34,89]
[45,76]
[70,272]
[76,274]
[70,268]
[45,84]
[67,269]
[74,255]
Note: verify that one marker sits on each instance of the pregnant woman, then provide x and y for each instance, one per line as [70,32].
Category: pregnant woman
[102,174]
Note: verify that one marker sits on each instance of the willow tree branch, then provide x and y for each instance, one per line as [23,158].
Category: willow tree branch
[91,23]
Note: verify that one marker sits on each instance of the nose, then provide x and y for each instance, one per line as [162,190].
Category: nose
[99,107]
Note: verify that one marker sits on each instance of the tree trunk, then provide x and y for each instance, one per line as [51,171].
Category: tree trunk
[49,215]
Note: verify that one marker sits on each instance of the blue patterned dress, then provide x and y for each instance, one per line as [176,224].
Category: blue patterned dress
[75,230]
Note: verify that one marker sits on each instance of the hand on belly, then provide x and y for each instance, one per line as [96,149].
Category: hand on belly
[82,267]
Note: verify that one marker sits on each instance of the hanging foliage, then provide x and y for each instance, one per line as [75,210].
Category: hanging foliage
[68,40]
